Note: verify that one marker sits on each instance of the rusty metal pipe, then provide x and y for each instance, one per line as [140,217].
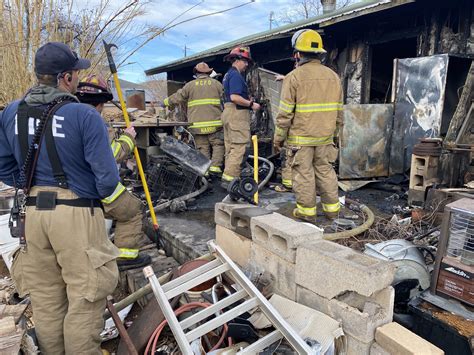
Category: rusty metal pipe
[122,331]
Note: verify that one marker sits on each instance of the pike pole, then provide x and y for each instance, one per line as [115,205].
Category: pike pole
[113,69]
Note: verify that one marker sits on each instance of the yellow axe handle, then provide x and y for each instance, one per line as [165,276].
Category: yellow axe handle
[135,152]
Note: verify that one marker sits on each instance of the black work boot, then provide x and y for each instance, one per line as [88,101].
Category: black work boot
[141,260]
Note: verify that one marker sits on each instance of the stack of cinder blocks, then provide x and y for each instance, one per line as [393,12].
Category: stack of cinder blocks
[347,285]
[423,173]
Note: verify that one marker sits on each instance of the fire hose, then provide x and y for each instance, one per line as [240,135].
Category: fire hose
[153,341]
[270,172]
[359,229]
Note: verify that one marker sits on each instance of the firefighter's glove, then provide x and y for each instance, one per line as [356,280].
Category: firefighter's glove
[277,145]
[131,131]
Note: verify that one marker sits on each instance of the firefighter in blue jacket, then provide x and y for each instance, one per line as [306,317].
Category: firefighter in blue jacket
[68,266]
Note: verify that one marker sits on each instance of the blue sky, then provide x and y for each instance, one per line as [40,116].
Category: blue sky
[197,35]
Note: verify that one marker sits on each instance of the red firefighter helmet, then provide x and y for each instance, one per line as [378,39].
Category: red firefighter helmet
[239,52]
[94,89]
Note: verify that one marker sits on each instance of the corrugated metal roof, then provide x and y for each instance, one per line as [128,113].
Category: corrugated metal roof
[358,9]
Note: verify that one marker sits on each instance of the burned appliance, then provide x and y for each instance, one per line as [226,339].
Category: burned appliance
[454,266]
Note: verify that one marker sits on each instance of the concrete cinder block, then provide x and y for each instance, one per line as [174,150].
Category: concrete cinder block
[312,300]
[236,246]
[240,219]
[359,315]
[283,272]
[376,349]
[223,212]
[384,299]
[397,339]
[357,347]
[330,269]
[423,172]
[282,235]
[360,324]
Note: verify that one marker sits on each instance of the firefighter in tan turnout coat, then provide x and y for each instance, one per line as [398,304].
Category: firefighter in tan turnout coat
[203,98]
[310,105]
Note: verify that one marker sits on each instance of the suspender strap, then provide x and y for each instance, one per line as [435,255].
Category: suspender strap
[54,160]
[24,113]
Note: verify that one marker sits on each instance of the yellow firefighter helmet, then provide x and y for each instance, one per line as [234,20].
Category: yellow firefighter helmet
[307,41]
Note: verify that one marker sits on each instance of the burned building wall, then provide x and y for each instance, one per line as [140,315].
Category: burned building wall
[352,75]
[369,44]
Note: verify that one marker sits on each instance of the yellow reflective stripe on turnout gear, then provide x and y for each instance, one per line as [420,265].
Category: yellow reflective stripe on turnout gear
[166,101]
[199,102]
[128,253]
[323,107]
[115,148]
[286,107]
[300,140]
[227,177]
[117,192]
[128,140]
[331,207]
[306,211]
[207,130]
[205,124]
[215,169]
[287,182]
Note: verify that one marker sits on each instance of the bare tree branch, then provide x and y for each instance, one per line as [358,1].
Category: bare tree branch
[170,25]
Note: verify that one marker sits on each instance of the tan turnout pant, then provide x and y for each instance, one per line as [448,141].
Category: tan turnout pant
[212,146]
[127,210]
[68,269]
[286,174]
[236,137]
[311,170]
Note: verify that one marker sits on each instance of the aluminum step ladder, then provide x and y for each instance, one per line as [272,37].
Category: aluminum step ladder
[248,293]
